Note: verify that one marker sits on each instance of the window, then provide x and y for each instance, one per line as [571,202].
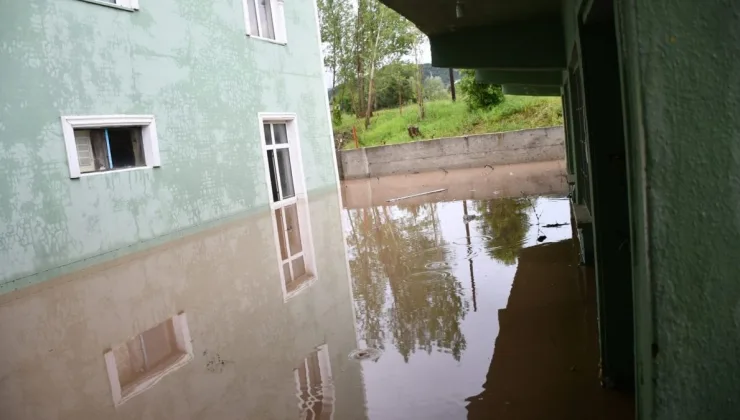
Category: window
[265,19]
[139,363]
[110,143]
[315,389]
[288,202]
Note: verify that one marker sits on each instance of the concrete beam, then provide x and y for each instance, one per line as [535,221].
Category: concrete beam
[521,46]
[532,90]
[524,77]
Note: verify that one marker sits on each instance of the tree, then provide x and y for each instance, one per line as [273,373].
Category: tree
[359,37]
[442,73]
[479,95]
[333,20]
[418,38]
[434,89]
[392,86]
[393,36]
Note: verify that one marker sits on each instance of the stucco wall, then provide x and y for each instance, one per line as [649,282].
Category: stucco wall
[227,282]
[679,56]
[189,63]
[540,144]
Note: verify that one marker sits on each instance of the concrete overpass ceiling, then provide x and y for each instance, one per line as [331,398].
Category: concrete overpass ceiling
[440,16]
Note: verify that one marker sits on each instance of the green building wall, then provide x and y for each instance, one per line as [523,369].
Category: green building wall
[187,62]
[681,60]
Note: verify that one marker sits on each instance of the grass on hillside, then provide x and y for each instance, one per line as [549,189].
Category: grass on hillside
[445,118]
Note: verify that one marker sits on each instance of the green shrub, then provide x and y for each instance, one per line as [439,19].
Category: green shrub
[479,95]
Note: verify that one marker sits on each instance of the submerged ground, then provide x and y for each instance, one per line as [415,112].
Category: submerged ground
[474,299]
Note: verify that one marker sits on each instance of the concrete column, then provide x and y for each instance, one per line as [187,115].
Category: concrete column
[575,98]
[609,202]
[567,125]
[680,61]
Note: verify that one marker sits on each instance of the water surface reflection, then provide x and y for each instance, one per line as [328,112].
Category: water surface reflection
[428,281]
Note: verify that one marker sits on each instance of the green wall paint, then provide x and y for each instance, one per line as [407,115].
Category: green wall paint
[568,16]
[609,202]
[681,61]
[631,77]
[189,63]
[531,90]
[521,77]
[520,46]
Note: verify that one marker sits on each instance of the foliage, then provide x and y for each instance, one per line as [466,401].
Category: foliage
[392,86]
[395,293]
[441,72]
[336,29]
[479,95]
[505,222]
[447,119]
[359,37]
[341,98]
[336,114]
[434,89]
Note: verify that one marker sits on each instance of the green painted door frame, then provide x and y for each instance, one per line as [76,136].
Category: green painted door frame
[531,90]
[609,202]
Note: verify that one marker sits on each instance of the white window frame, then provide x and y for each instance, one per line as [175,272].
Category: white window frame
[184,345]
[327,382]
[277,8]
[148,135]
[129,5]
[300,199]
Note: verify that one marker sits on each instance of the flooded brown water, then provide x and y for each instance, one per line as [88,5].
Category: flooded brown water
[429,281]
[472,300]
[467,303]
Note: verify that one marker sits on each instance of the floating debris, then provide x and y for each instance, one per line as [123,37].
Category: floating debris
[469,218]
[430,276]
[554,225]
[474,240]
[365,354]
[415,195]
[437,265]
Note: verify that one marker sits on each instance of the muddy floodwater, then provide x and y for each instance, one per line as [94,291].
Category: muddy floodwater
[464,303]
[430,280]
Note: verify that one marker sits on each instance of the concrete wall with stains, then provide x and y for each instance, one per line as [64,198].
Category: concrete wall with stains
[475,151]
[189,63]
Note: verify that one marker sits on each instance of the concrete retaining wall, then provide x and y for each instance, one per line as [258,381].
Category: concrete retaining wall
[535,145]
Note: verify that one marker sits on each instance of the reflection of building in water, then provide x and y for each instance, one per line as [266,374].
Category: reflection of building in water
[243,334]
[545,361]
[315,386]
[137,364]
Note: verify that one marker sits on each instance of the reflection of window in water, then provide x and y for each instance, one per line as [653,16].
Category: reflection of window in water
[139,363]
[315,387]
